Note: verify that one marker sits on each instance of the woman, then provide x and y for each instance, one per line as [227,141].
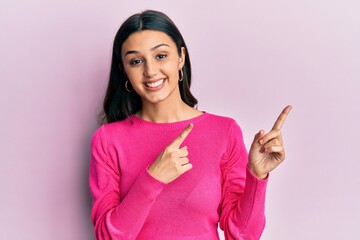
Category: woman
[161,169]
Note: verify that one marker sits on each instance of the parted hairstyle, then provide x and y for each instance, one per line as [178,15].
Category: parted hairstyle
[119,104]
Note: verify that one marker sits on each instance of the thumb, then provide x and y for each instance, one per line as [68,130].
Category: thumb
[256,142]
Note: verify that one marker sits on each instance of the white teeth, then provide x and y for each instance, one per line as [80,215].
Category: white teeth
[155,84]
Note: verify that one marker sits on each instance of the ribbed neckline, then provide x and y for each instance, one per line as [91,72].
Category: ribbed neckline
[136,121]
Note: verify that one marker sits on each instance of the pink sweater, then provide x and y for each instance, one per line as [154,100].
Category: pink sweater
[128,203]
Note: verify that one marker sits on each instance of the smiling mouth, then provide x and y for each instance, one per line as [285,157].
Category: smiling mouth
[155,84]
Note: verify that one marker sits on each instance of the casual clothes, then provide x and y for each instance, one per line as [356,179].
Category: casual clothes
[128,203]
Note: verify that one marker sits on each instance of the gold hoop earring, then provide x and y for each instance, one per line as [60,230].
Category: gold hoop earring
[126,86]
[181,75]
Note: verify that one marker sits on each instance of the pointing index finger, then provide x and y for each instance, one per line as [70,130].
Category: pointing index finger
[281,119]
[182,136]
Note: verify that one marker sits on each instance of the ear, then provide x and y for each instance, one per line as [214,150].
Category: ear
[182,58]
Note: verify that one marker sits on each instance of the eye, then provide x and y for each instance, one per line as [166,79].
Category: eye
[161,56]
[136,62]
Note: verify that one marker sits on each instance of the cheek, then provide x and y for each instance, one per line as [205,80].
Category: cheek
[171,68]
[134,75]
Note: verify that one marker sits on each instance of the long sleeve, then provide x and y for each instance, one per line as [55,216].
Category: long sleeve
[243,195]
[116,218]
[128,203]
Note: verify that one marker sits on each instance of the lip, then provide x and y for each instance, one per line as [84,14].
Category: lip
[156,88]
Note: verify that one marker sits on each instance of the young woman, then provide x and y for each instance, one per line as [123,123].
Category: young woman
[161,169]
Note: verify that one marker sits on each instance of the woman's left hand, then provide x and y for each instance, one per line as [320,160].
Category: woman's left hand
[267,150]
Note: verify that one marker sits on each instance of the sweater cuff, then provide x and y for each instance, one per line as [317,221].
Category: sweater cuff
[148,185]
[250,174]
[255,188]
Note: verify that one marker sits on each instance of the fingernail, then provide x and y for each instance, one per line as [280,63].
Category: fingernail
[261,141]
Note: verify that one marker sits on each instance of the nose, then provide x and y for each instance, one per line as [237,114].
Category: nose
[151,69]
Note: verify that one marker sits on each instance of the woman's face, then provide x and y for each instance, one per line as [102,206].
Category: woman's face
[152,63]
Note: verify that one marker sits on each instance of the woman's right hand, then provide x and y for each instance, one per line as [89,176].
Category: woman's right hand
[172,161]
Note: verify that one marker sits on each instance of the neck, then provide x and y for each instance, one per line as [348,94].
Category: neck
[163,112]
[171,109]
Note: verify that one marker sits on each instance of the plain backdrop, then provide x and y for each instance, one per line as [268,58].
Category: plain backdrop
[250,59]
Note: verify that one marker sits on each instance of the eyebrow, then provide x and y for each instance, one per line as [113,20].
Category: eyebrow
[152,49]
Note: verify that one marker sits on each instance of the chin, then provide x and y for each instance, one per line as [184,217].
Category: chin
[154,100]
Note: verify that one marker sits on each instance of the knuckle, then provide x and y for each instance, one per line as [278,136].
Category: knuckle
[190,166]
[179,171]
[176,163]
[167,150]
[171,154]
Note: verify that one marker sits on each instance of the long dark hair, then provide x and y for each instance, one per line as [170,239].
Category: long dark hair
[119,103]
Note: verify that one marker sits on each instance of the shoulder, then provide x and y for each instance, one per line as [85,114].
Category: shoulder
[224,121]
[108,129]
[228,126]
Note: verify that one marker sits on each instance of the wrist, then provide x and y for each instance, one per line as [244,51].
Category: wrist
[257,174]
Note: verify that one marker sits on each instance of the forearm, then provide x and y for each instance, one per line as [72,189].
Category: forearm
[124,220]
[247,220]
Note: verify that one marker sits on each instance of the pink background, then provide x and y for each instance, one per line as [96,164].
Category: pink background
[250,59]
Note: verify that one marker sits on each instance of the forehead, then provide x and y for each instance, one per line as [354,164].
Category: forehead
[145,40]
